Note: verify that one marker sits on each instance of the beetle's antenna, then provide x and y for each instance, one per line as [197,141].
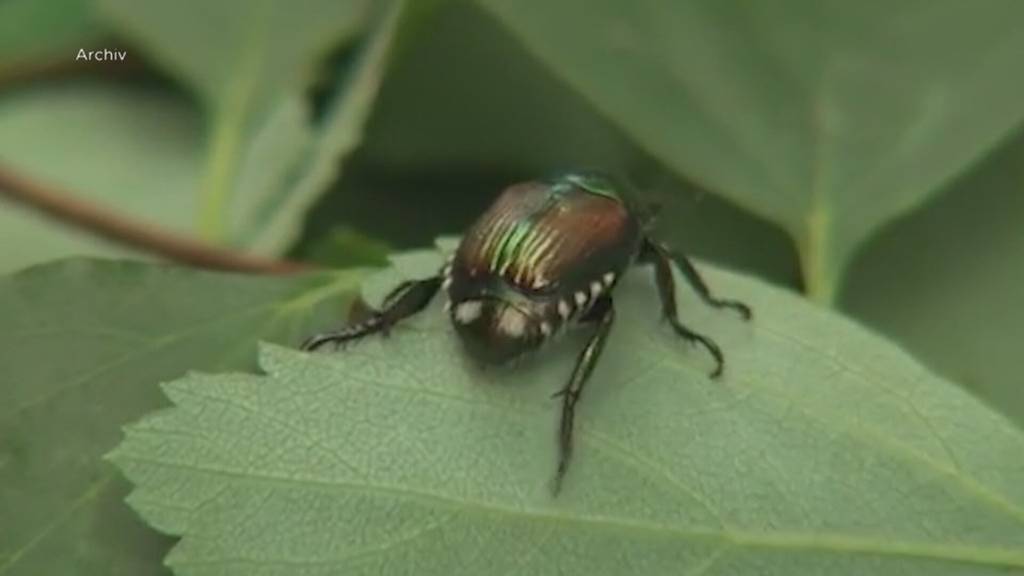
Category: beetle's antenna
[649,211]
[643,197]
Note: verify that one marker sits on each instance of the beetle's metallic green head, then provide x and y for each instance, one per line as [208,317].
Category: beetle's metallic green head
[591,181]
[603,184]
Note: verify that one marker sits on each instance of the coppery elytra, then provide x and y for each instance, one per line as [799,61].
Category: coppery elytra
[546,255]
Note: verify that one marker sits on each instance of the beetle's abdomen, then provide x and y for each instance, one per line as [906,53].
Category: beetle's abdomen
[538,236]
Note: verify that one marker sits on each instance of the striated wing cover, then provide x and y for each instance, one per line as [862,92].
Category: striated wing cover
[536,236]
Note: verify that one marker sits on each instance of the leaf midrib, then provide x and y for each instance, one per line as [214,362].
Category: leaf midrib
[729,535]
[966,483]
[784,540]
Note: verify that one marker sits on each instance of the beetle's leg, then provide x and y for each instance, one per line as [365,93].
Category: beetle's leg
[653,250]
[667,291]
[603,314]
[406,299]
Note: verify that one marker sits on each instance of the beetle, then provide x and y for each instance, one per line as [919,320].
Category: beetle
[546,255]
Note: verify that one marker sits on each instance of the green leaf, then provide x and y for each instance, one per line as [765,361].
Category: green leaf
[267,170]
[828,118]
[947,282]
[56,29]
[405,169]
[82,346]
[274,220]
[824,449]
[513,116]
[345,247]
[243,59]
[95,140]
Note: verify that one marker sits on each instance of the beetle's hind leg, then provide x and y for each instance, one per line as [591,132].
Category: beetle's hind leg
[403,301]
[661,259]
[603,314]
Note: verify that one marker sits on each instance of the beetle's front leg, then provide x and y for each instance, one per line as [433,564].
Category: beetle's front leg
[603,313]
[406,299]
[667,291]
[653,251]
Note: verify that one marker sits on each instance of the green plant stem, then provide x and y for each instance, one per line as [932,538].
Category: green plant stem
[230,114]
[222,163]
[812,244]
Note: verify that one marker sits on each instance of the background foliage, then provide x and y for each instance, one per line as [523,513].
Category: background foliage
[869,156]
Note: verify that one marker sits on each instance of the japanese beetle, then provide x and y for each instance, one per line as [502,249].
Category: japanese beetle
[546,255]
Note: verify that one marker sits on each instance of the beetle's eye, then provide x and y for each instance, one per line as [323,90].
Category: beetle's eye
[467,312]
[503,318]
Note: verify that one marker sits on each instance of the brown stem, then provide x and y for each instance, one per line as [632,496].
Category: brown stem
[140,235]
[63,65]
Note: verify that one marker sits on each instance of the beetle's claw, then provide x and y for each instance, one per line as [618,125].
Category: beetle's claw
[742,308]
[717,372]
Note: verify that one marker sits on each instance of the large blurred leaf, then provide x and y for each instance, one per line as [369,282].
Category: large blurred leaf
[131,149]
[270,221]
[829,118]
[243,58]
[82,346]
[31,30]
[492,107]
[948,281]
[823,450]
[454,142]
